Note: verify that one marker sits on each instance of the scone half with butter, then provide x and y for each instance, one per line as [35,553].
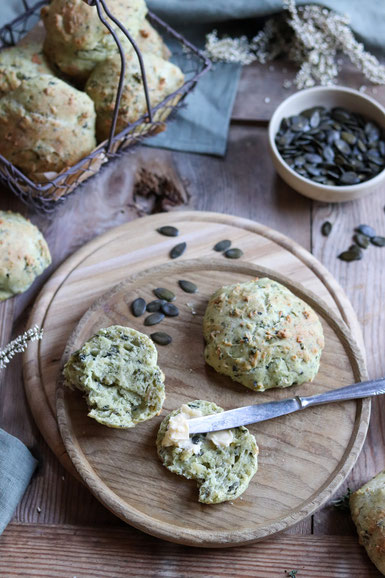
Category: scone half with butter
[262,335]
[117,372]
[222,463]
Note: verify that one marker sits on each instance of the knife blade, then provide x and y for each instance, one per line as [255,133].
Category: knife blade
[264,411]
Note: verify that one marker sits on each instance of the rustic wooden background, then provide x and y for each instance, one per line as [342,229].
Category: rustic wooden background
[59,529]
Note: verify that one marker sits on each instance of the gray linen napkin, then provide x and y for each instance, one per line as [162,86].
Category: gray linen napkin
[16,468]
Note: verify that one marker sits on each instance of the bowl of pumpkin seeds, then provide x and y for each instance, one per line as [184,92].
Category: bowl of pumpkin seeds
[328,143]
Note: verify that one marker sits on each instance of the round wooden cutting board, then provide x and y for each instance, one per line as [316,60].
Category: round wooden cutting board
[303,457]
[134,247]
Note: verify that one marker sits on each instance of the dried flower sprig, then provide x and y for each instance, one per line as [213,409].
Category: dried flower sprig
[19,345]
[314,37]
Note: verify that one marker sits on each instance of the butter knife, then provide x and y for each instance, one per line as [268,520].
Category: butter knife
[264,411]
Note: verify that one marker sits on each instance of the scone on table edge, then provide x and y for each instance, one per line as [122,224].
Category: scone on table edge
[117,372]
[367,506]
[222,463]
[24,254]
[262,335]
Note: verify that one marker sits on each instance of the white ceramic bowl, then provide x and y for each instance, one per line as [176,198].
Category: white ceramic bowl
[328,97]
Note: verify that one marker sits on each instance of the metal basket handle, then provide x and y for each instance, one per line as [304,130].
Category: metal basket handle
[100,6]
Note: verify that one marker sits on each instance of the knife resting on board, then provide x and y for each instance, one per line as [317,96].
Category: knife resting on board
[264,411]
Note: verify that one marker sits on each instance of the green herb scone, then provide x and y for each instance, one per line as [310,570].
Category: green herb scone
[19,63]
[118,373]
[222,463]
[367,506]
[162,76]
[76,39]
[262,335]
[24,254]
[46,125]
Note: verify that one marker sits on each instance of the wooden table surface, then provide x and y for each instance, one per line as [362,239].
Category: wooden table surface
[59,529]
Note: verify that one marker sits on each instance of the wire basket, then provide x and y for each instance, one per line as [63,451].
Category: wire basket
[45,197]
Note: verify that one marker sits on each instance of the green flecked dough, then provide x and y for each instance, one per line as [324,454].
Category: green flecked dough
[262,335]
[118,373]
[222,474]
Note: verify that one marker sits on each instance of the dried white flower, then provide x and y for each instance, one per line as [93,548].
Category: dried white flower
[19,345]
[312,36]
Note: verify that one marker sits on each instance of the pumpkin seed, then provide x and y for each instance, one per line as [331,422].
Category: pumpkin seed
[188,286]
[161,338]
[362,240]
[349,178]
[170,310]
[366,230]
[168,231]
[165,294]
[315,119]
[155,305]
[348,137]
[378,241]
[313,158]
[154,318]
[351,255]
[138,307]
[326,228]
[233,253]
[343,147]
[222,245]
[178,250]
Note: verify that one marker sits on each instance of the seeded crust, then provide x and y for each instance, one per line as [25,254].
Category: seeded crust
[76,39]
[46,125]
[24,254]
[163,78]
[118,373]
[367,506]
[222,474]
[19,63]
[262,335]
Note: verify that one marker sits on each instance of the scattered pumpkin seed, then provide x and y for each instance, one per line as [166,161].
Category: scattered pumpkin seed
[366,230]
[161,338]
[222,245]
[326,228]
[170,310]
[155,305]
[165,294]
[362,240]
[168,231]
[138,307]
[178,250]
[188,286]
[378,241]
[353,254]
[233,253]
[154,318]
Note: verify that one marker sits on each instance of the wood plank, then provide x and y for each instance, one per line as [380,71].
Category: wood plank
[364,283]
[261,88]
[85,552]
